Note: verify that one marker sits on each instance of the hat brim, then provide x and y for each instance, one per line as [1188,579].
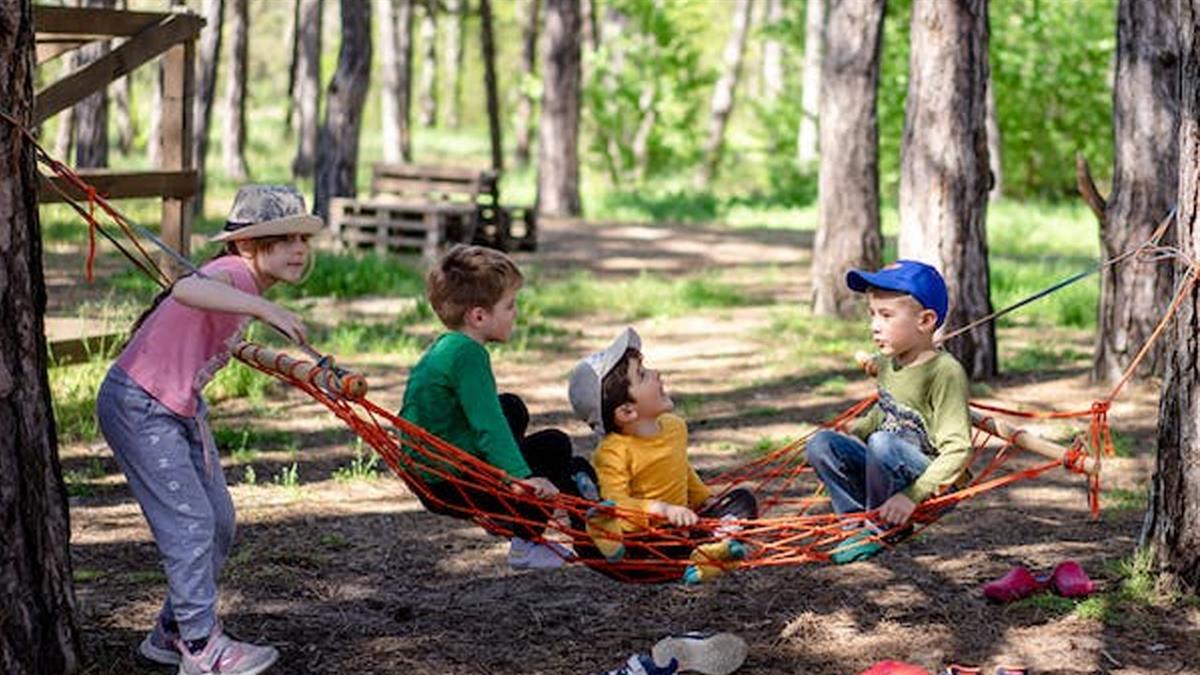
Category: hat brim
[298,224]
[860,282]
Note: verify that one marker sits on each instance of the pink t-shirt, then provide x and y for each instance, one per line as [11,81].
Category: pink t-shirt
[178,349]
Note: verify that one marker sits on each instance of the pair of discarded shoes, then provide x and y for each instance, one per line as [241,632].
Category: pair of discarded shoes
[1068,580]
[705,653]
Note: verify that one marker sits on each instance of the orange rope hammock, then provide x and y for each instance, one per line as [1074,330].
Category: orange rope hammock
[793,527]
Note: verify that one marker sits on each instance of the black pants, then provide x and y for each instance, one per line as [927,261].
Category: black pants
[548,453]
[643,546]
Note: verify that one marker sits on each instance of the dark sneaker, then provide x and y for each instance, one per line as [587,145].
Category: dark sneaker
[640,664]
[707,653]
[858,546]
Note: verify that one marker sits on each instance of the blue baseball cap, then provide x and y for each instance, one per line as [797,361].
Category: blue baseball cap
[919,280]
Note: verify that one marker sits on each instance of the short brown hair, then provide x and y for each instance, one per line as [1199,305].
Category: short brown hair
[614,390]
[468,277]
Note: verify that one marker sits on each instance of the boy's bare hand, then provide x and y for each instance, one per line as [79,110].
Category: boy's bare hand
[540,487]
[679,516]
[897,509]
[867,362]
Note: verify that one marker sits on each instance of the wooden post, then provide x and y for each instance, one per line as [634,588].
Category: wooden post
[175,150]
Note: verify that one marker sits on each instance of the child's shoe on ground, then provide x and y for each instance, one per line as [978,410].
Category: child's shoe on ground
[640,664]
[1070,581]
[707,653]
[894,668]
[528,555]
[226,656]
[858,546]
[710,561]
[159,644]
[1017,584]
[955,669]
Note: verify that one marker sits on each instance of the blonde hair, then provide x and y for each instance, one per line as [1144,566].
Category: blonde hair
[468,277]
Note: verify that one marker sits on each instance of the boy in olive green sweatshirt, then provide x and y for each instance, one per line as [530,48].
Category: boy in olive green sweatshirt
[916,441]
[452,394]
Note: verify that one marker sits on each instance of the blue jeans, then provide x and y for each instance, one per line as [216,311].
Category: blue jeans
[862,476]
[183,495]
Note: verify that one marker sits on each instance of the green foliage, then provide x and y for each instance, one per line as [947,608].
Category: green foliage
[73,393]
[288,477]
[80,481]
[238,380]
[244,443]
[647,295]
[652,67]
[364,466]
[1038,358]
[1120,499]
[341,275]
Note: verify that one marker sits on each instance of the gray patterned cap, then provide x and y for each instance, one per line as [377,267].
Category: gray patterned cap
[267,211]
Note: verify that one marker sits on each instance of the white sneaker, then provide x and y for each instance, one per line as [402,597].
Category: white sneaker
[159,646]
[527,555]
[708,653]
[226,656]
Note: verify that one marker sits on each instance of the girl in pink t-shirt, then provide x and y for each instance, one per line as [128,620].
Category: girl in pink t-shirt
[153,416]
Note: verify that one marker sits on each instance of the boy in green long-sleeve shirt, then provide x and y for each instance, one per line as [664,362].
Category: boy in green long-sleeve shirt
[916,441]
[452,394]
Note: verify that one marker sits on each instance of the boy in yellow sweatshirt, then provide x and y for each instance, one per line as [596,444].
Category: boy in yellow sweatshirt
[641,462]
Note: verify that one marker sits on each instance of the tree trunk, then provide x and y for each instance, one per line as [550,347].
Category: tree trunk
[91,114]
[454,59]
[234,140]
[558,140]
[772,58]
[395,44]
[1174,527]
[1145,115]
[944,169]
[529,10]
[429,64]
[337,149]
[848,210]
[291,88]
[121,93]
[38,630]
[591,28]
[994,145]
[208,56]
[810,95]
[306,97]
[723,94]
[615,25]
[488,46]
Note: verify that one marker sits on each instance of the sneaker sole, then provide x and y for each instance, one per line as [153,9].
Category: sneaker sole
[151,652]
[250,671]
[719,654]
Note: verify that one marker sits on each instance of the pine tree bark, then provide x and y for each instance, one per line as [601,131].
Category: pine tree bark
[306,95]
[291,87]
[944,167]
[234,140]
[38,628]
[558,140]
[429,64]
[528,13]
[1146,90]
[1173,531]
[772,58]
[395,45]
[724,93]
[995,165]
[91,114]
[848,233]
[337,148]
[454,60]
[487,44]
[810,94]
[208,57]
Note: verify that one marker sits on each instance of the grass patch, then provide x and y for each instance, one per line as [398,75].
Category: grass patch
[642,297]
[342,275]
[364,466]
[1119,499]
[237,380]
[80,481]
[73,391]
[808,340]
[1037,357]
[83,575]
[765,445]
[834,386]
[243,444]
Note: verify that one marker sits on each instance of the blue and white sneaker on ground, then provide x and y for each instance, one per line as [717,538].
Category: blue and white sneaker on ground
[527,555]
[707,653]
[640,664]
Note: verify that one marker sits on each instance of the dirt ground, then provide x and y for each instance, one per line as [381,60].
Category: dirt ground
[354,577]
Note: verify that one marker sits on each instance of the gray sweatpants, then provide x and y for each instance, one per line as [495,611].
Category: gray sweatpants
[183,496]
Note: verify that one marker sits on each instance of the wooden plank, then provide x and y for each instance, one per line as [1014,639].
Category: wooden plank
[123,184]
[424,188]
[175,151]
[119,62]
[422,207]
[93,21]
[52,49]
[424,171]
